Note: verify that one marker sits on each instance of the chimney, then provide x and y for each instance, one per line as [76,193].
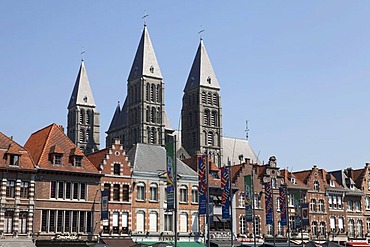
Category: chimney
[61,127]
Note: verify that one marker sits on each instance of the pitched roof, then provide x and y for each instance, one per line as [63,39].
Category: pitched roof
[42,143]
[81,94]
[97,157]
[145,62]
[8,146]
[233,147]
[152,158]
[201,73]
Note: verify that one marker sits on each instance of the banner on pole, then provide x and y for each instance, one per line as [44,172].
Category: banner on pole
[305,216]
[202,184]
[268,203]
[225,187]
[170,174]
[104,205]
[296,200]
[248,198]
[283,207]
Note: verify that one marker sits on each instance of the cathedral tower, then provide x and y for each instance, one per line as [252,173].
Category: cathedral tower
[83,126]
[201,109]
[142,118]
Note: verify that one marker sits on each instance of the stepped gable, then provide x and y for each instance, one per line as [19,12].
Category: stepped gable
[10,147]
[44,143]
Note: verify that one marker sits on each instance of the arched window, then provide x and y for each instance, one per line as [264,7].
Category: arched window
[215,99]
[194,194]
[322,228]
[332,224]
[147,92]
[140,221]
[194,222]
[210,140]
[82,135]
[367,203]
[153,221]
[204,97]
[158,94]
[147,113]
[257,223]
[357,206]
[140,191]
[341,224]
[209,98]
[88,117]
[152,93]
[314,228]
[82,116]
[183,222]
[159,115]
[321,205]
[360,229]
[350,206]
[316,185]
[153,136]
[351,228]
[153,192]
[183,194]
[153,115]
[214,121]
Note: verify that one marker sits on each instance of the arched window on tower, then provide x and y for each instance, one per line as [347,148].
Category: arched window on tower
[210,140]
[204,98]
[82,116]
[147,92]
[147,113]
[206,117]
[88,117]
[214,118]
[82,135]
[159,115]
[215,99]
[152,93]
[158,93]
[152,116]
[149,133]
[209,98]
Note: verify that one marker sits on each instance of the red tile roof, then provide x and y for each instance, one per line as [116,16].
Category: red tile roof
[97,157]
[8,146]
[52,139]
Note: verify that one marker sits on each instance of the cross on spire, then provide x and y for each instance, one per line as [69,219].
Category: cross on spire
[200,32]
[144,17]
[82,54]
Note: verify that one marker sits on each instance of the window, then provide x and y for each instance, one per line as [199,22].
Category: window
[278,209]
[323,228]
[206,117]
[349,206]
[215,99]
[332,224]
[332,184]
[116,192]
[153,221]
[360,228]
[82,116]
[194,194]
[67,221]
[75,191]
[314,228]
[321,205]
[24,189]
[168,222]
[52,220]
[125,222]
[257,201]
[316,185]
[368,225]
[339,199]
[367,203]
[153,192]
[13,159]
[140,191]
[357,207]
[116,169]
[8,221]
[10,188]
[125,193]
[22,226]
[83,191]
[61,190]
[183,222]
[60,221]
[194,222]
[57,159]
[77,161]
[44,220]
[115,222]
[183,193]
[242,225]
[257,223]
[53,186]
[82,221]
[313,206]
[241,200]
[68,190]
[140,217]
[351,228]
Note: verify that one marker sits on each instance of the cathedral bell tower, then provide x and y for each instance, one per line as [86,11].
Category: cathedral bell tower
[83,126]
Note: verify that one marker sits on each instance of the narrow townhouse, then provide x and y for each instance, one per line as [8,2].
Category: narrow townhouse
[67,185]
[113,163]
[152,222]
[17,193]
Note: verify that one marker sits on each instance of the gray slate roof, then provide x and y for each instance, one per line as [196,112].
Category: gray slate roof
[201,70]
[145,59]
[82,94]
[152,159]
[233,147]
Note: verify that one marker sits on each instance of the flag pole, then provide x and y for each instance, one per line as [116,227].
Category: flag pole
[207,201]
[253,208]
[287,214]
[175,185]
[231,206]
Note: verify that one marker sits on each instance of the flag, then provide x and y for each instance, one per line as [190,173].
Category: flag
[202,177]
[283,208]
[225,187]
[305,216]
[170,175]
[248,197]
[268,203]
[296,202]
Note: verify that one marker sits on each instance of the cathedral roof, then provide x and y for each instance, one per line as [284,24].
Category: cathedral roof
[145,62]
[201,73]
[82,94]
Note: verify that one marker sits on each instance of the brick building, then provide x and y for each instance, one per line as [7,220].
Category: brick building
[67,185]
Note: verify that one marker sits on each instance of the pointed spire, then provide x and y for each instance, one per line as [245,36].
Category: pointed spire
[115,118]
[201,73]
[82,94]
[145,62]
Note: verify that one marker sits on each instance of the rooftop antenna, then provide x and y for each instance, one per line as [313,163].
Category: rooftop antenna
[82,54]
[200,32]
[144,17]
[246,130]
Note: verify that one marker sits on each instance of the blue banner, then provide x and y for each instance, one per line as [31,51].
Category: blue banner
[283,207]
[170,172]
[305,216]
[268,203]
[104,205]
[202,184]
[225,187]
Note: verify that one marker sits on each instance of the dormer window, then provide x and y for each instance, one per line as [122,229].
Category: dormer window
[332,184]
[316,186]
[13,159]
[77,161]
[293,181]
[56,155]
[57,159]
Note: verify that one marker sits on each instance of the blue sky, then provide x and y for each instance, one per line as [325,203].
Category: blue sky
[298,71]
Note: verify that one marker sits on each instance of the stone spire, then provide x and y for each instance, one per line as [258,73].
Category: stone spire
[83,126]
[201,73]
[145,62]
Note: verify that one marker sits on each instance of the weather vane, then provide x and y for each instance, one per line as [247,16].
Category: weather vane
[246,130]
[144,17]
[201,31]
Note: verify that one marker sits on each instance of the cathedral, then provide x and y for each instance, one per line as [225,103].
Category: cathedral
[142,118]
